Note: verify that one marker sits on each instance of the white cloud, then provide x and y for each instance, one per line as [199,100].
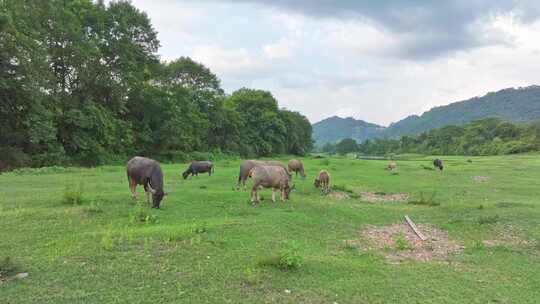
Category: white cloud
[279,50]
[230,62]
[355,65]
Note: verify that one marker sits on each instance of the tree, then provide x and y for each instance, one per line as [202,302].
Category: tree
[347,145]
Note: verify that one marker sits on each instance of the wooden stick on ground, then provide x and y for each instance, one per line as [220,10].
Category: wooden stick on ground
[414,228]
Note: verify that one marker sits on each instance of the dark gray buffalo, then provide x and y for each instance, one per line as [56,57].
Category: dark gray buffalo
[247,165]
[197,167]
[147,172]
[275,177]
[438,164]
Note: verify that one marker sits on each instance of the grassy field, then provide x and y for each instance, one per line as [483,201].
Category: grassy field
[208,245]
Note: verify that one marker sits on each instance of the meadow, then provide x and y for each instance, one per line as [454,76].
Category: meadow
[82,239]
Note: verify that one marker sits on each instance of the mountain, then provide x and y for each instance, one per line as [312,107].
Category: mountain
[336,128]
[513,104]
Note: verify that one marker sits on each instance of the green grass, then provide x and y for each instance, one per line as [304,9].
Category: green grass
[82,239]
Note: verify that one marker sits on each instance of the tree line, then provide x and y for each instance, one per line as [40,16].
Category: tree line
[81,82]
[490,136]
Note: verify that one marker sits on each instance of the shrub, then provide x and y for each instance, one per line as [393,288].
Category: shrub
[401,242]
[490,219]
[142,215]
[73,195]
[43,170]
[12,157]
[7,267]
[107,241]
[426,201]
[291,257]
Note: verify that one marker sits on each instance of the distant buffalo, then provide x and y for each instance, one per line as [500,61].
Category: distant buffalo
[275,177]
[437,163]
[296,166]
[247,165]
[323,181]
[197,167]
[392,166]
[147,172]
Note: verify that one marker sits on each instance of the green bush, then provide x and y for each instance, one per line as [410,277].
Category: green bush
[425,200]
[142,214]
[291,257]
[12,158]
[7,267]
[401,242]
[73,195]
[489,219]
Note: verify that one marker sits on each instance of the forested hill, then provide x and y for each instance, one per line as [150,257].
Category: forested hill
[335,128]
[516,105]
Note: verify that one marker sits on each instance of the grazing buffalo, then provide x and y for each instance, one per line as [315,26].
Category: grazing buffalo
[147,172]
[275,177]
[323,181]
[438,164]
[197,167]
[296,166]
[392,166]
[247,165]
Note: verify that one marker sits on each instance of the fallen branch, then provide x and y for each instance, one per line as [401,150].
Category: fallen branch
[414,228]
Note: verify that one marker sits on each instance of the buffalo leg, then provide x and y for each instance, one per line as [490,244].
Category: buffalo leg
[274,195]
[253,194]
[133,188]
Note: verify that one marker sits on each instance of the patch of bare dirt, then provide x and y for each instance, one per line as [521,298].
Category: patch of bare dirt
[398,242]
[509,235]
[339,195]
[379,197]
[481,179]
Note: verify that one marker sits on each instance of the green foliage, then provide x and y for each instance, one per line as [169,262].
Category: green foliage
[524,103]
[291,257]
[401,242]
[107,240]
[7,268]
[142,215]
[489,136]
[347,145]
[73,195]
[425,200]
[489,219]
[82,83]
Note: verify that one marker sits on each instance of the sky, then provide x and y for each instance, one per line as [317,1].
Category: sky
[379,61]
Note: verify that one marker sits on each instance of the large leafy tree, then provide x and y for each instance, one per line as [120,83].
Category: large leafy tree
[81,81]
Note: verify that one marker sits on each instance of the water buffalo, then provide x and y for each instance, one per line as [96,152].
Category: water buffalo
[247,165]
[323,181]
[296,166]
[197,167]
[147,172]
[438,164]
[275,177]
